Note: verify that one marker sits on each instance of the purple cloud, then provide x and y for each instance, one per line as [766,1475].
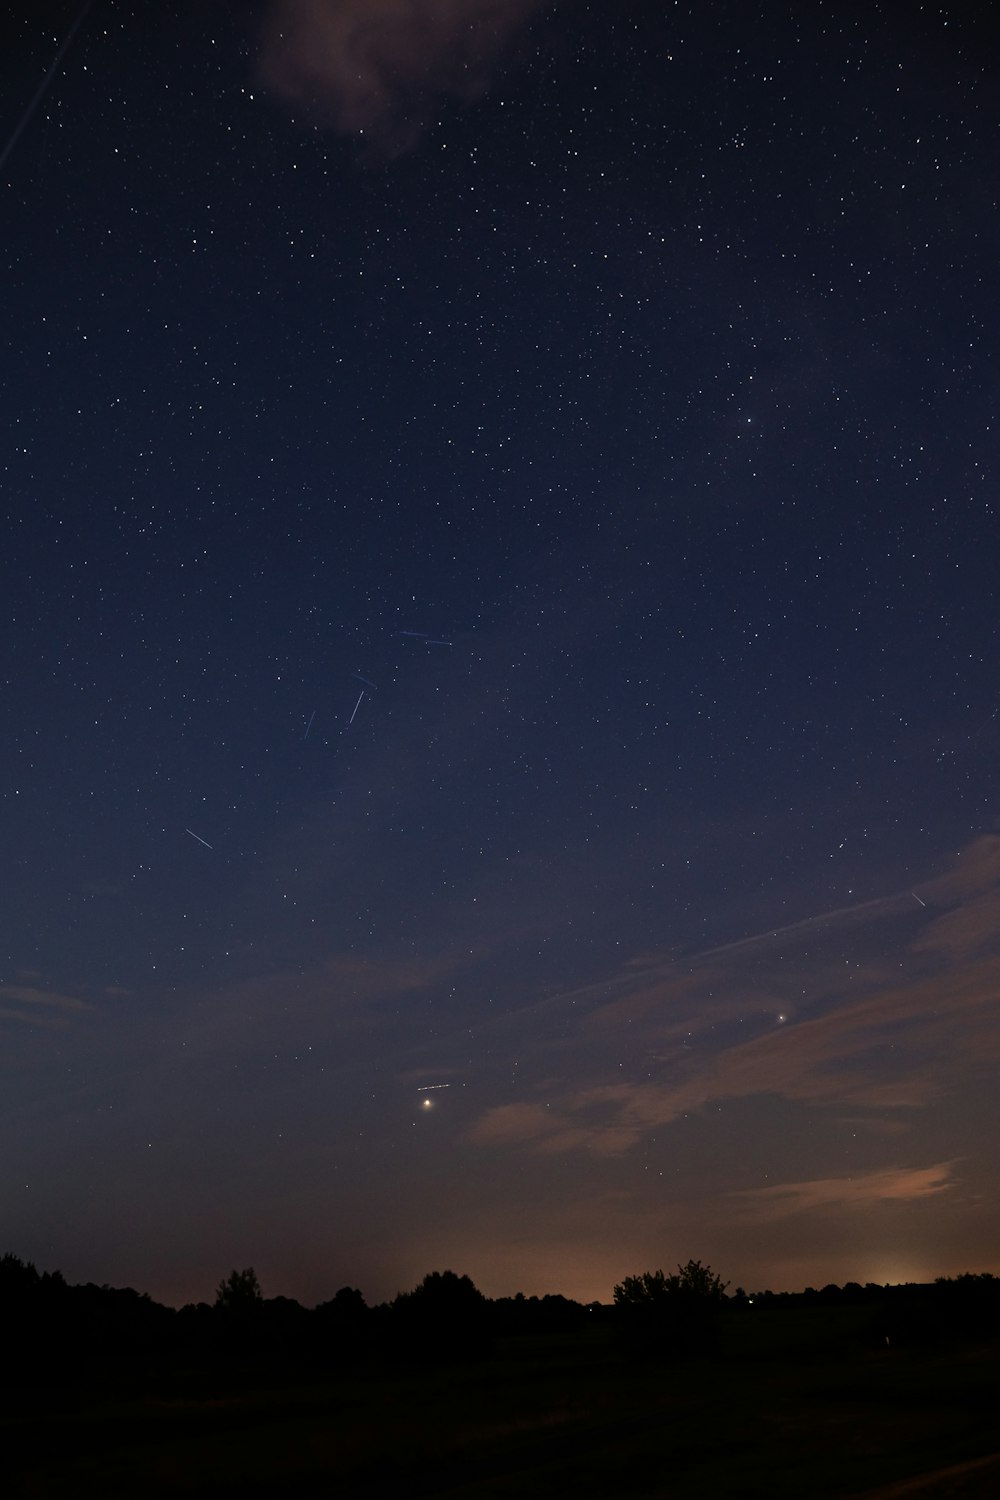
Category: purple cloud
[376,69]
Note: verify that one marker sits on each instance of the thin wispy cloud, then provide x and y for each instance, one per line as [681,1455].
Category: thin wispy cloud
[347,993]
[890,1019]
[971,892]
[29,1005]
[890,1185]
[553,1129]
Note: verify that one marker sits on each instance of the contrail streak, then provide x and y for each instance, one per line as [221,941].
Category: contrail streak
[774,932]
[680,959]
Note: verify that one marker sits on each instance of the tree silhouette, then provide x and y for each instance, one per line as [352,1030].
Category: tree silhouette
[343,1325]
[239,1293]
[238,1315]
[676,1313]
[693,1283]
[445,1315]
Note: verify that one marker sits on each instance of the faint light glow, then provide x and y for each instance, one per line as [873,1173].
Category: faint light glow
[428,1104]
[898,1271]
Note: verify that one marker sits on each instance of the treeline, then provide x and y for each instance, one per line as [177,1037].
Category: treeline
[54,1331]
[57,1332]
[928,1315]
[979,1288]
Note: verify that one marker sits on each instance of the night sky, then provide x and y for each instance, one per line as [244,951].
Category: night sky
[500,709]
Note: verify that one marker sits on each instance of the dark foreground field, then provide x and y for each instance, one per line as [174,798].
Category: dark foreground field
[797,1404]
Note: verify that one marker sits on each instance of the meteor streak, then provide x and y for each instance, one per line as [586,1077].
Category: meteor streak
[39,93]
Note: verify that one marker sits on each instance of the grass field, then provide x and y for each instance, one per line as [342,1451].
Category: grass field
[798,1404]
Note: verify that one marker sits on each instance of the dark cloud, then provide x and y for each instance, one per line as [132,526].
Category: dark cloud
[377,68]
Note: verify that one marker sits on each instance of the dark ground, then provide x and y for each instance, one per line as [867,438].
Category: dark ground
[804,1402]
